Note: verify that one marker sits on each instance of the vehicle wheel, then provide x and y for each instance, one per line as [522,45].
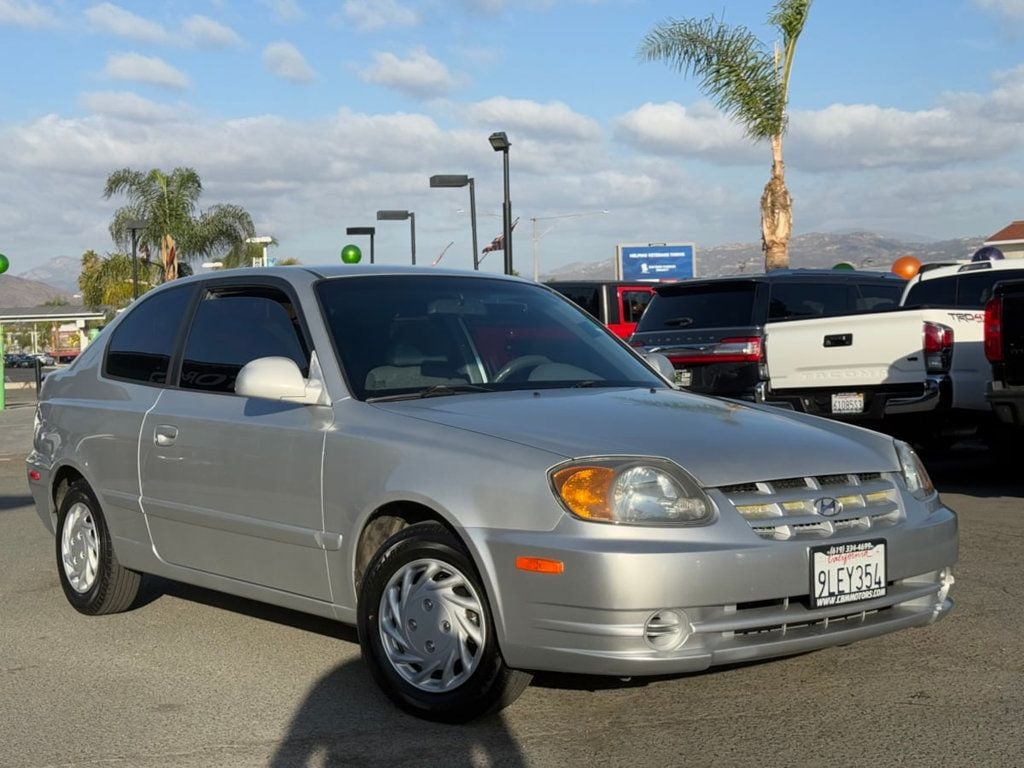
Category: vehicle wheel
[426,629]
[94,582]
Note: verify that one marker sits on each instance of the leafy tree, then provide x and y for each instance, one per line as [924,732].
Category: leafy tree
[168,203]
[242,254]
[750,84]
[108,281]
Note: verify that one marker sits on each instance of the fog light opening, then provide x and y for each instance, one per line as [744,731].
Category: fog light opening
[667,629]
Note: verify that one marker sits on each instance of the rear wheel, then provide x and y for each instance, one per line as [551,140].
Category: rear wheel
[426,629]
[94,582]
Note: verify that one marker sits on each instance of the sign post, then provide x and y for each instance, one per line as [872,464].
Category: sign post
[655,262]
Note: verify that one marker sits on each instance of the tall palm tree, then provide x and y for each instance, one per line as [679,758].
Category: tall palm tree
[750,84]
[109,281]
[168,204]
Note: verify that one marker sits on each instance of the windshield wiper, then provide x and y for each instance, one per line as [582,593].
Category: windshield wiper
[438,390]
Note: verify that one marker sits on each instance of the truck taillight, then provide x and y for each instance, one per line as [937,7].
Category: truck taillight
[994,330]
[938,347]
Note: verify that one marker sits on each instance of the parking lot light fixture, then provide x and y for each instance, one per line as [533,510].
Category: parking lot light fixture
[371,231]
[500,143]
[454,180]
[391,215]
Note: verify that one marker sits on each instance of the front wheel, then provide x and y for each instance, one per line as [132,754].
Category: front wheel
[426,629]
[93,580]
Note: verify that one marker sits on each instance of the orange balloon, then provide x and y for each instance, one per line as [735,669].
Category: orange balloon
[906,266]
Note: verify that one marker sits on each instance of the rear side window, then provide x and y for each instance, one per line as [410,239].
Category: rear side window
[633,305]
[141,346]
[973,291]
[234,327]
[729,305]
[939,292]
[875,297]
[792,301]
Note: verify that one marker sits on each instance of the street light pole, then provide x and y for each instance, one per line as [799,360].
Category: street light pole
[536,237]
[371,231]
[402,216]
[453,180]
[134,226]
[500,143]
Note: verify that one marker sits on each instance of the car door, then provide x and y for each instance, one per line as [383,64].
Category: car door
[231,484]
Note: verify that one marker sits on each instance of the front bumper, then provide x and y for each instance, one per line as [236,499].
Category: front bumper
[737,602]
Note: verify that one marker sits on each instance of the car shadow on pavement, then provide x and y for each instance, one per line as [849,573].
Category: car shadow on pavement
[346,720]
[15,502]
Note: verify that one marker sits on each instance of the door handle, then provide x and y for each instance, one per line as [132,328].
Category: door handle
[839,340]
[165,434]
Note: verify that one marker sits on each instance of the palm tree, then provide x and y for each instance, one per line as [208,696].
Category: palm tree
[168,203]
[750,84]
[109,281]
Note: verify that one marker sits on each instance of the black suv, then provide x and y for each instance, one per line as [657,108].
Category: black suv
[713,330]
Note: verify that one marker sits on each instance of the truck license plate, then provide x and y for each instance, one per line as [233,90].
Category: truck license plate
[684,377]
[848,402]
[846,573]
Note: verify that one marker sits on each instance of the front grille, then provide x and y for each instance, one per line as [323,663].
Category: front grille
[818,506]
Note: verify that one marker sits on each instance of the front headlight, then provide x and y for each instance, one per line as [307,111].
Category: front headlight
[914,474]
[630,490]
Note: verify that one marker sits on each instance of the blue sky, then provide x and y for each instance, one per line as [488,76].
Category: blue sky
[905,117]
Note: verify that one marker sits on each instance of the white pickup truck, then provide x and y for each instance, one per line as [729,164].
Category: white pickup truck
[852,346]
[931,348]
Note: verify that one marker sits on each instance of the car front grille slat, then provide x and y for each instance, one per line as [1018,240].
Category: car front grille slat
[816,506]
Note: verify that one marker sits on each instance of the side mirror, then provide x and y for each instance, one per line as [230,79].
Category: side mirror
[277,378]
[660,364]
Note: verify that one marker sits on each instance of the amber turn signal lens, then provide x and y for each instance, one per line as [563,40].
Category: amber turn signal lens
[540,565]
[584,490]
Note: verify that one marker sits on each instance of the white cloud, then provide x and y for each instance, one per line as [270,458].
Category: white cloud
[286,10]
[419,76]
[553,120]
[377,14]
[673,129]
[204,31]
[126,105]
[1011,9]
[284,60]
[123,23]
[26,13]
[144,69]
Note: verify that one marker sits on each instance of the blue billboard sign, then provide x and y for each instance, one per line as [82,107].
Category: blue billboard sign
[661,262]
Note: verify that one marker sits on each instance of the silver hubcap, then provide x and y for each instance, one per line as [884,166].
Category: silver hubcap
[79,548]
[432,626]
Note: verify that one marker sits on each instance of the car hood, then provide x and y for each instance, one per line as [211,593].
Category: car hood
[720,442]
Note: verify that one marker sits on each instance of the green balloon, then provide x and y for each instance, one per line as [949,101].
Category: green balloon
[351,254]
[4,263]
[845,266]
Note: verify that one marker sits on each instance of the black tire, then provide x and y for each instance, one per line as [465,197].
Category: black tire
[111,588]
[490,686]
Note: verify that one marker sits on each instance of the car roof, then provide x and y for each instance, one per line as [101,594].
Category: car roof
[787,276]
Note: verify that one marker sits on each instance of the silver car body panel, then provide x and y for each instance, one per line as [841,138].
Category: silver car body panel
[268,500]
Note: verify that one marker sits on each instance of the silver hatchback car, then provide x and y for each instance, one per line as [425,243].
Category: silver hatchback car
[477,474]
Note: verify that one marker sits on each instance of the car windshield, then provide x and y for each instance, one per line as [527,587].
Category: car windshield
[400,336]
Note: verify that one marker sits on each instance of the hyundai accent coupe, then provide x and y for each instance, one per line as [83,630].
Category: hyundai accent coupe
[478,475]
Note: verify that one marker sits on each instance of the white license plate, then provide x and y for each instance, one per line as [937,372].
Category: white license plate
[684,377]
[848,402]
[846,573]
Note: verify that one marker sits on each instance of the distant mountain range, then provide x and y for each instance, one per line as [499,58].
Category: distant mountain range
[60,272]
[865,250]
[17,292]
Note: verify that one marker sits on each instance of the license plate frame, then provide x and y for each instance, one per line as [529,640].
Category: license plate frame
[847,402]
[848,573]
